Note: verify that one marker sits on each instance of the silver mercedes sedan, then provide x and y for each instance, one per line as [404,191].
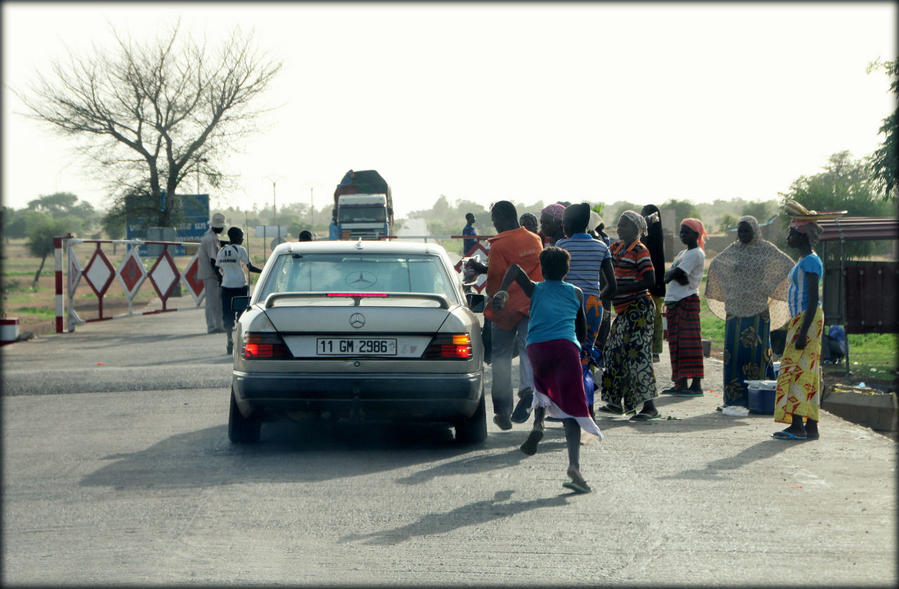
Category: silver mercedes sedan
[363,330]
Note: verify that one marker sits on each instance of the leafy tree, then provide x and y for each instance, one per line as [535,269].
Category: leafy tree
[682,209]
[294,229]
[54,204]
[845,184]
[65,204]
[761,210]
[616,208]
[40,240]
[727,221]
[885,160]
[153,114]
[113,226]
[13,224]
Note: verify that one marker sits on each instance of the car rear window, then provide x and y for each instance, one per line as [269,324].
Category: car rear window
[358,273]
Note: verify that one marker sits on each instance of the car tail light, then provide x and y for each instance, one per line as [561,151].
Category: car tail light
[265,346]
[449,347]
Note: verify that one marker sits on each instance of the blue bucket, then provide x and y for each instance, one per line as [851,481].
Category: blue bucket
[761,396]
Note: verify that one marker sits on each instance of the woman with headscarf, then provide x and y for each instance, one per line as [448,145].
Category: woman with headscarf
[746,286]
[682,310]
[551,223]
[628,379]
[654,240]
[799,380]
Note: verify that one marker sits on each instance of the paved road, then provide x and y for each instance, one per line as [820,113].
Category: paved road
[121,472]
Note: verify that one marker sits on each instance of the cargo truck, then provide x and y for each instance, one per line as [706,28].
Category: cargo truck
[363,207]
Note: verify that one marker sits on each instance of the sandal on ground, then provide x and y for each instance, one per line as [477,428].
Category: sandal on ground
[608,408]
[646,416]
[687,393]
[529,446]
[809,436]
[672,390]
[788,435]
[577,487]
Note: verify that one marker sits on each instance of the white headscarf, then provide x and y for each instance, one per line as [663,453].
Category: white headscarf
[638,221]
[748,278]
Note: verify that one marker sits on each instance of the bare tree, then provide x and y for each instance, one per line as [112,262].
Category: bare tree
[153,114]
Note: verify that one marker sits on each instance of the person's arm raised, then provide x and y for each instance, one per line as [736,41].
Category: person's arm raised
[513,274]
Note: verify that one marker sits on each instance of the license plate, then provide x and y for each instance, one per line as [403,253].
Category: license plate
[355,346]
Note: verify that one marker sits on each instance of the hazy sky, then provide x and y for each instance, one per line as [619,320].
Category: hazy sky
[526,102]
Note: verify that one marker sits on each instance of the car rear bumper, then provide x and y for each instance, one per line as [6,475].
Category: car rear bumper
[438,397]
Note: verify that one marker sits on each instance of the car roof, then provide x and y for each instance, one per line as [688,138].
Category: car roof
[359,246]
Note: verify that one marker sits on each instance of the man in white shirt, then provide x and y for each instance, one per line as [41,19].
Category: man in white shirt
[234,281]
[209,247]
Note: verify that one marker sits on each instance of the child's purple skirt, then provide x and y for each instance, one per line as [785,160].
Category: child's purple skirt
[559,382]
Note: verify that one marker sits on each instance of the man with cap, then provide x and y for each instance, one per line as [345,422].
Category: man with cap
[209,248]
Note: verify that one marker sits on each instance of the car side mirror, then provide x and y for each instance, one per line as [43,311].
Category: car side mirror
[475,301]
[239,304]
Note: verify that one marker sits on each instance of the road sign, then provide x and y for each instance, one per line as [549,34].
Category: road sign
[192,221]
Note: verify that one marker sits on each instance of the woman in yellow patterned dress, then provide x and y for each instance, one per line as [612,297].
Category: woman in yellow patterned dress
[799,381]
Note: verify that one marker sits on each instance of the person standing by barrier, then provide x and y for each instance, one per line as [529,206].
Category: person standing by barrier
[746,286]
[468,244]
[513,244]
[799,379]
[556,331]
[654,240]
[590,264]
[208,250]
[234,280]
[628,378]
[682,311]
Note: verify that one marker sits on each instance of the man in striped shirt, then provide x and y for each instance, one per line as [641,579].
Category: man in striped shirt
[590,266]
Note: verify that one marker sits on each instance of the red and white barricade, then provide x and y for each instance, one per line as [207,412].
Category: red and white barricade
[99,274]
[9,330]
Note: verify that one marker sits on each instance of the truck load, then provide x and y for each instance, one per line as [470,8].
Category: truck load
[363,206]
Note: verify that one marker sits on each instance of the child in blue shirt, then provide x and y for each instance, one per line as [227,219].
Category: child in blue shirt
[556,329]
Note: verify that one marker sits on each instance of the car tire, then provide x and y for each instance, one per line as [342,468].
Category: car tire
[240,429]
[474,429]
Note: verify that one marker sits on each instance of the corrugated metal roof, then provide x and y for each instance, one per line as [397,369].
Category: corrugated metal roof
[859,228]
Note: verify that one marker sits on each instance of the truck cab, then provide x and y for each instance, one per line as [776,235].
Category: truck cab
[362,216]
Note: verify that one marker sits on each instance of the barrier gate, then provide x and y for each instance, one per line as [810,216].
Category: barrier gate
[99,274]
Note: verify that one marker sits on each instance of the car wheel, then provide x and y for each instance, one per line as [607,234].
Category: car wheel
[474,429]
[240,429]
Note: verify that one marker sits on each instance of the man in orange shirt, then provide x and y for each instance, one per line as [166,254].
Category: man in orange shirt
[513,245]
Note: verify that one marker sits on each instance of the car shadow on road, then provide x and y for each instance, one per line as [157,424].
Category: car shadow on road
[476,513]
[294,452]
[760,451]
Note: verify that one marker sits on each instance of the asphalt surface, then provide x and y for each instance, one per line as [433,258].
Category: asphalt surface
[117,469]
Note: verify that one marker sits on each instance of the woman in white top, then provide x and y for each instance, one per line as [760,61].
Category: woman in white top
[682,311]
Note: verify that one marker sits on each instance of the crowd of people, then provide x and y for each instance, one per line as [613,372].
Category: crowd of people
[551,288]
[552,283]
